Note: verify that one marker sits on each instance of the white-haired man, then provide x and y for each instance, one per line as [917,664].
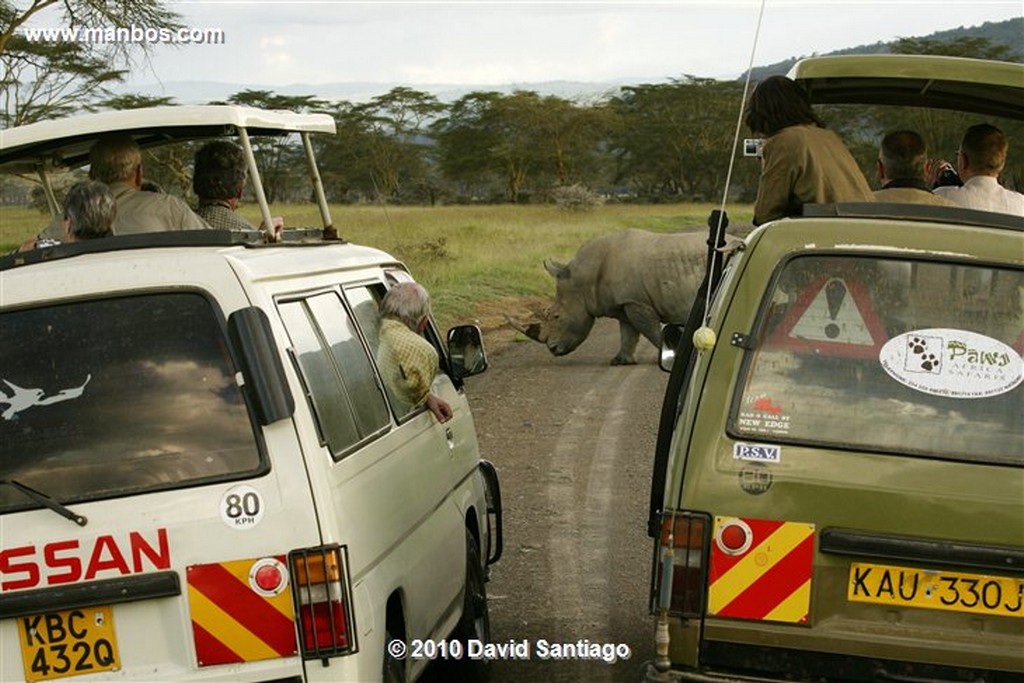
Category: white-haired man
[409,362]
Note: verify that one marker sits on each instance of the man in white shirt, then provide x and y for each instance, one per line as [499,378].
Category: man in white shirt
[980,160]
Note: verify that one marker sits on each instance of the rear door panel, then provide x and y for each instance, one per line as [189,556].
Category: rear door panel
[823,442]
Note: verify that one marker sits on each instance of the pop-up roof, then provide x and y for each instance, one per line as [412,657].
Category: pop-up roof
[969,85]
[64,143]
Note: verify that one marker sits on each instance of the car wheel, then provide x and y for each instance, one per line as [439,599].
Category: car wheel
[475,623]
[394,669]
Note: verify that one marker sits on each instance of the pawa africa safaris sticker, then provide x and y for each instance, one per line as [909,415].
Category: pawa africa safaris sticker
[953,363]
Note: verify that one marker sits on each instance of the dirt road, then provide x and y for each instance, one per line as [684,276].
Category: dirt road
[572,439]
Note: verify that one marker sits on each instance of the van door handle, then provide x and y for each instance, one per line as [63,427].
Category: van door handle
[450,438]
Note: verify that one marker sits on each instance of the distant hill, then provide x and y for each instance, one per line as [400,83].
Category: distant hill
[1009,33]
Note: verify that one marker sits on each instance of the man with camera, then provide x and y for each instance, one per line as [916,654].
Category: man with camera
[903,167]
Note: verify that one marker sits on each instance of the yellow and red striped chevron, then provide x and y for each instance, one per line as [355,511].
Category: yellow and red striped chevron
[770,580]
[231,622]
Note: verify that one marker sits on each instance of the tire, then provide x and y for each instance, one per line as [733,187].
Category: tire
[475,623]
[394,669]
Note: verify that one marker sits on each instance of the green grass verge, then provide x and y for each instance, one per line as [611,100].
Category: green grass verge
[465,255]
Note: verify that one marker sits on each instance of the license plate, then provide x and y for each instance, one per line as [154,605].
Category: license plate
[68,643]
[953,591]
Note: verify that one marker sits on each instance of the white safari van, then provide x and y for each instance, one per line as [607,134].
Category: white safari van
[202,474]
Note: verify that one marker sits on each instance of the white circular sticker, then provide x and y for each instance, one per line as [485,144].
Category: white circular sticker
[953,363]
[241,507]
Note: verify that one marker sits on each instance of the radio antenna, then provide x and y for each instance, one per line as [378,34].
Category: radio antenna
[722,222]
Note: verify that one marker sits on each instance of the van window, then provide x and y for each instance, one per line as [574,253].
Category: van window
[111,397]
[891,356]
[365,302]
[339,378]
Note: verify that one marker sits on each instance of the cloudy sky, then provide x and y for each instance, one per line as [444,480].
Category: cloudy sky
[471,42]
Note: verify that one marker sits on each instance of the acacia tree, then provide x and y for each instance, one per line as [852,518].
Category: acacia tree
[45,79]
[347,158]
[280,160]
[49,80]
[397,122]
[519,121]
[87,13]
[504,138]
[520,143]
[571,138]
[464,143]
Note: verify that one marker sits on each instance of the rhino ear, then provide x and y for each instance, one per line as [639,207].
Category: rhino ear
[557,270]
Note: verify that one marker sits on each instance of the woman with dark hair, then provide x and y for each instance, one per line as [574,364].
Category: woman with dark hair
[802,162]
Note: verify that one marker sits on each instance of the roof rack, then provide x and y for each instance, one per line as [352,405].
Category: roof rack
[164,239]
[920,212]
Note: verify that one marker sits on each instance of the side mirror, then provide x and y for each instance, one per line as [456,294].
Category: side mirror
[262,370]
[671,335]
[466,351]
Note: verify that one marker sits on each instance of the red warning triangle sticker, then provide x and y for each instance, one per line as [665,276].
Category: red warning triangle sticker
[833,316]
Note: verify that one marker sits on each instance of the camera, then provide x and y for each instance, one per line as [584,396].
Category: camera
[948,177]
[752,147]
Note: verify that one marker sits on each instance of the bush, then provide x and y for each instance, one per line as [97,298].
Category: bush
[575,198]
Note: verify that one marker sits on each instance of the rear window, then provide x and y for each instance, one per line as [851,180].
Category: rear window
[875,354]
[110,397]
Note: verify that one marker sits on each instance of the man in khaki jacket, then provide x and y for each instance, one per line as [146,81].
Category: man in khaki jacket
[117,161]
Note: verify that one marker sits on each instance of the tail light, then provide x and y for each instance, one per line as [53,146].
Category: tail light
[680,572]
[323,601]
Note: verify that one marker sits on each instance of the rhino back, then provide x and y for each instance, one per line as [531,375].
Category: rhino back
[637,266]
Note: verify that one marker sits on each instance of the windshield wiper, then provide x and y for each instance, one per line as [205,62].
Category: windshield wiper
[46,501]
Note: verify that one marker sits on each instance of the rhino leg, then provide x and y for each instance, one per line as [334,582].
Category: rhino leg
[640,319]
[628,338]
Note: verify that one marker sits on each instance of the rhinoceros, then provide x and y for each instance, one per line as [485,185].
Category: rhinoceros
[640,278]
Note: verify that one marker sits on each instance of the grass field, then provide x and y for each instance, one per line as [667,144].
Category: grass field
[473,259]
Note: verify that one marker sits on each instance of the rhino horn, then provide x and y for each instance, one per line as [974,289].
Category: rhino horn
[532,330]
[556,269]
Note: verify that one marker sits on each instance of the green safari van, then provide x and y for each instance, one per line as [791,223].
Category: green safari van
[838,487]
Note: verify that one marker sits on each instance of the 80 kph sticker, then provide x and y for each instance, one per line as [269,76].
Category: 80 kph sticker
[608,653]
